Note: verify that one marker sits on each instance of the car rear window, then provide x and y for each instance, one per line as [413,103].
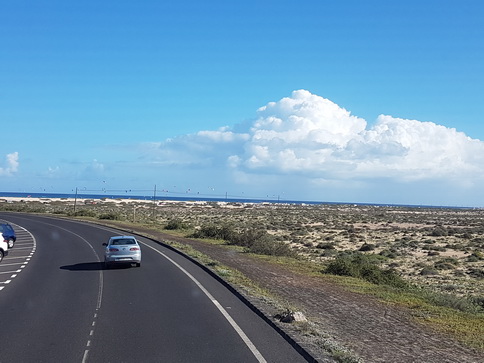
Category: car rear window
[124,241]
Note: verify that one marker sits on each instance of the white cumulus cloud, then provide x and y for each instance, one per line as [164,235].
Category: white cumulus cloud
[312,137]
[12,164]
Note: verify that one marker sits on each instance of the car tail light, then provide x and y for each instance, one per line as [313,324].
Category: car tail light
[113,250]
[134,249]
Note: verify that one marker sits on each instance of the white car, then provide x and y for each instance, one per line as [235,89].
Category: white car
[122,250]
[3,249]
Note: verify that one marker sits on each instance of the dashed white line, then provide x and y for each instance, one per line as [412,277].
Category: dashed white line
[12,264]
[9,272]
[100,289]
[24,259]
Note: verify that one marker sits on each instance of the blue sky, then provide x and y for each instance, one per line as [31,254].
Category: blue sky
[352,101]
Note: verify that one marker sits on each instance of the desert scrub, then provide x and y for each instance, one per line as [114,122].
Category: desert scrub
[84,213]
[366,268]
[177,223]
[367,247]
[255,240]
[448,263]
[112,216]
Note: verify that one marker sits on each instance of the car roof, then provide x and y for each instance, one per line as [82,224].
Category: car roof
[6,227]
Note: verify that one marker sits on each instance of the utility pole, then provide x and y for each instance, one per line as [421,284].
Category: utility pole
[154,202]
[75,202]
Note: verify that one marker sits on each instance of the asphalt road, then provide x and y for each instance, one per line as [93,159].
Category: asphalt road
[58,304]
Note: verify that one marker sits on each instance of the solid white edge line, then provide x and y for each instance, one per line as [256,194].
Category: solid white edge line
[226,315]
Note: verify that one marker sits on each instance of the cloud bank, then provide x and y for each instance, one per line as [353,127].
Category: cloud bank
[12,164]
[311,136]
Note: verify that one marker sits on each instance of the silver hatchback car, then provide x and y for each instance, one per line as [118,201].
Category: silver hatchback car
[122,250]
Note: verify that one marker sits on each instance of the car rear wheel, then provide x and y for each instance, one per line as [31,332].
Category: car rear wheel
[138,264]
[10,243]
[1,255]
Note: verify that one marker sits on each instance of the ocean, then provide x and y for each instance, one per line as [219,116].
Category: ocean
[162,196]
[205,198]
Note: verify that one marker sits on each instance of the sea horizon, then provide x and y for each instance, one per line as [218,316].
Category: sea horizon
[206,198]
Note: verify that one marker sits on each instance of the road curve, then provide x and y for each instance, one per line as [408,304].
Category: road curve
[64,307]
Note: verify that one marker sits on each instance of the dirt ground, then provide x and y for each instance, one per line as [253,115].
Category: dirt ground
[373,331]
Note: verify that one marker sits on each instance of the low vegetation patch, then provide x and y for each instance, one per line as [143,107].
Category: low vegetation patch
[177,223]
[364,267]
[253,239]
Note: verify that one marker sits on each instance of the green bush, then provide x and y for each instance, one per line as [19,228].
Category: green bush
[389,253]
[439,232]
[326,246]
[477,273]
[253,239]
[367,247]
[111,216]
[224,232]
[85,213]
[176,223]
[366,268]
[447,263]
[429,271]
[471,305]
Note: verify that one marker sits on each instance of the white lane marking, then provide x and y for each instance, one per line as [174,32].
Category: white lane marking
[101,282]
[12,264]
[232,322]
[10,272]
[224,312]
[84,359]
[10,258]
[100,291]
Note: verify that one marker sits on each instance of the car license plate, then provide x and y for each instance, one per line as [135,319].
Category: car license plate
[124,259]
